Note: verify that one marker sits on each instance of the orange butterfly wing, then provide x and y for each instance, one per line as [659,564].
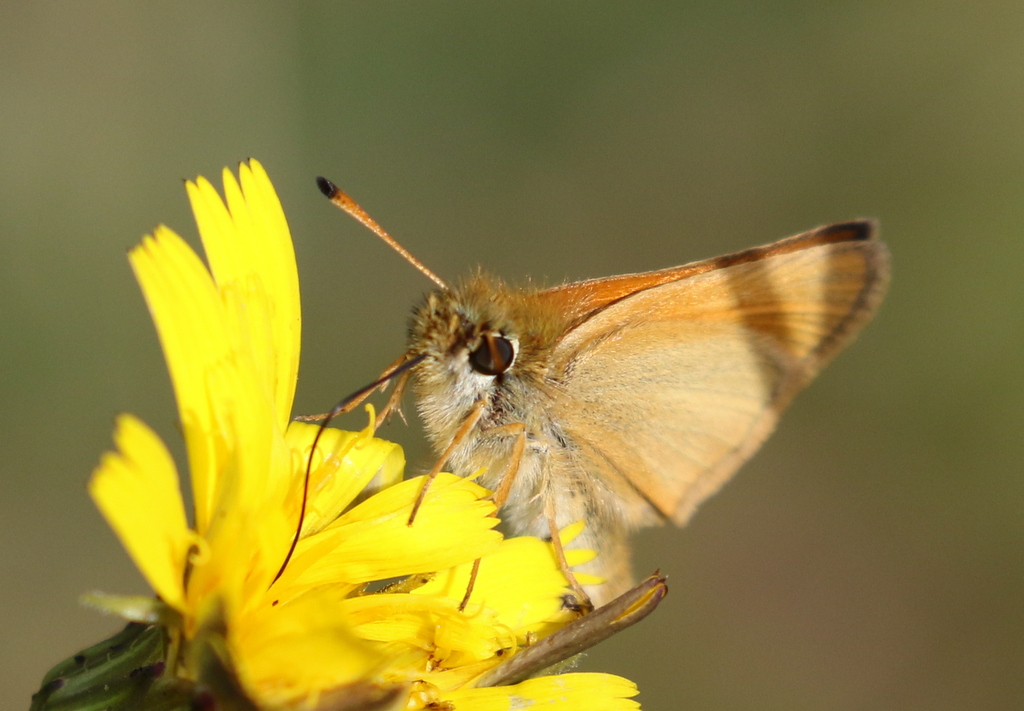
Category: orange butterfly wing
[674,378]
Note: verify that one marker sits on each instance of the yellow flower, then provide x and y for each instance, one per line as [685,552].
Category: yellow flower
[312,630]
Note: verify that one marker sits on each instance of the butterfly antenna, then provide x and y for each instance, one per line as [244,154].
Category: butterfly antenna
[340,198]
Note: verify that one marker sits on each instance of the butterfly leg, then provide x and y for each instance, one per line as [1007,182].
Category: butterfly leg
[464,429]
[584,602]
[500,496]
[508,477]
[394,403]
[517,429]
[470,585]
[351,403]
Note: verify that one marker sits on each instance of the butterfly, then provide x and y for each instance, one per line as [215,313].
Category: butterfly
[626,401]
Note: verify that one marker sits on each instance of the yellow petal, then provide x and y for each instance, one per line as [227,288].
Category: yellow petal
[226,413]
[241,468]
[137,491]
[520,582]
[434,625]
[279,272]
[292,649]
[249,248]
[374,541]
[186,311]
[565,692]
[346,465]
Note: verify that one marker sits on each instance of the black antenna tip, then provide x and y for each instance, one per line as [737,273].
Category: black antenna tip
[326,186]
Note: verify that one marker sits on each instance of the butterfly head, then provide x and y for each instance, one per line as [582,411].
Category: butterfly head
[479,339]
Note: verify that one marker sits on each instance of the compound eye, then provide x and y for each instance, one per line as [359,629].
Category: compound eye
[494,356]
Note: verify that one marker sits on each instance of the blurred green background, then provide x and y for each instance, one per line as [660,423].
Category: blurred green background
[870,557]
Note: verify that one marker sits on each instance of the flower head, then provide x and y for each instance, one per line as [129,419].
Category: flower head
[325,626]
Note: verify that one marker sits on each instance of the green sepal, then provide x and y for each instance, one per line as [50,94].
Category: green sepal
[123,673]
